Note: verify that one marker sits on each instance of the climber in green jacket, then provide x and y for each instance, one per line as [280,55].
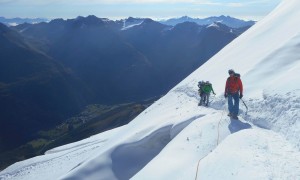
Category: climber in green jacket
[206,89]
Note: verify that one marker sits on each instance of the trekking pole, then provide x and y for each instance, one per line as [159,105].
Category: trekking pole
[245,106]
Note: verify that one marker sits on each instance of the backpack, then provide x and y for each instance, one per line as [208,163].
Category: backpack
[236,77]
[207,88]
[200,85]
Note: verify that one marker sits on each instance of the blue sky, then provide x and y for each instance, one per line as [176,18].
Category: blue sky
[117,9]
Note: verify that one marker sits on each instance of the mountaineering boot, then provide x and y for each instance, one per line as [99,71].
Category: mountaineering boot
[229,114]
[234,117]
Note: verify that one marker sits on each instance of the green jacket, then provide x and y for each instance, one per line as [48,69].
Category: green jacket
[207,88]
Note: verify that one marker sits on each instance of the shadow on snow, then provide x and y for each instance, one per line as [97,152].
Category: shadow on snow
[128,159]
[237,125]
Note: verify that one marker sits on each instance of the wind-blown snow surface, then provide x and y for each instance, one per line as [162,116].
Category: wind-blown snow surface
[176,139]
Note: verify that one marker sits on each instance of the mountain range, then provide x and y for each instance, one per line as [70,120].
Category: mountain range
[51,71]
[17,21]
[227,20]
[128,22]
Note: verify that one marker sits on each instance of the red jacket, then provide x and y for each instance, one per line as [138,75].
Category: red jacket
[233,85]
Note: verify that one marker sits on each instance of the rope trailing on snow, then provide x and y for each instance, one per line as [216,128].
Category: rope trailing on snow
[198,167]
[218,140]
[224,110]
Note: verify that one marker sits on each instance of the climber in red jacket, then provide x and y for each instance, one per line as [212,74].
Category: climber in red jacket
[234,92]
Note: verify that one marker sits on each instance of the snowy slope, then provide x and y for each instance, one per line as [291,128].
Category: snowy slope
[176,139]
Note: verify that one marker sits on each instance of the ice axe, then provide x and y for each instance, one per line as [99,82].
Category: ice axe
[245,106]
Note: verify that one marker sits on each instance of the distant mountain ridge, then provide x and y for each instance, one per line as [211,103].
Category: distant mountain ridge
[17,21]
[227,20]
[131,21]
